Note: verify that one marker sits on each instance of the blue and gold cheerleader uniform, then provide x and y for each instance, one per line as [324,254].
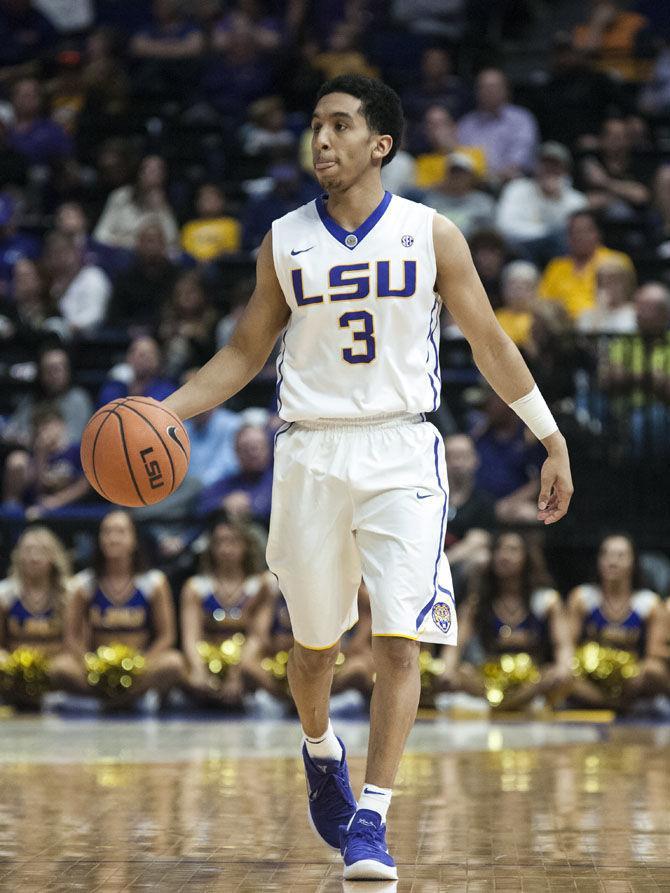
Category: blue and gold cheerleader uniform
[129,623]
[219,621]
[42,630]
[628,633]
[531,635]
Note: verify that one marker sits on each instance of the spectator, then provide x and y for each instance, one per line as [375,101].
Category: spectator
[140,292]
[576,98]
[507,133]
[48,478]
[289,192]
[433,19]
[471,512]
[533,211]
[438,85]
[610,36]
[187,327]
[512,608]
[171,37]
[458,198]
[81,291]
[25,37]
[212,435]
[439,140]
[614,311]
[38,139]
[248,493]
[489,255]
[659,216]
[115,167]
[509,461]
[53,390]
[519,294]
[343,54]
[71,221]
[32,601]
[28,318]
[241,67]
[228,596]
[67,16]
[105,78]
[610,179]
[238,300]
[553,354]
[129,208]
[266,133]
[654,97]
[636,372]
[618,613]
[398,176]
[571,280]
[139,376]
[66,91]
[118,602]
[212,232]
[14,244]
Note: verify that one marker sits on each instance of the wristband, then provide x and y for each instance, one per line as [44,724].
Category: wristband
[533,410]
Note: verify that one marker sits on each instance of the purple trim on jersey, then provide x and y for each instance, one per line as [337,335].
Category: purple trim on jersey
[287,427]
[338,232]
[430,341]
[280,377]
[440,546]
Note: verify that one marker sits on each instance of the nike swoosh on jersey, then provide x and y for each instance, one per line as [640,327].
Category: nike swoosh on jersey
[302,250]
[378,793]
[424,495]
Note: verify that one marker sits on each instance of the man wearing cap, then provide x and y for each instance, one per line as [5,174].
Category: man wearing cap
[533,211]
[457,197]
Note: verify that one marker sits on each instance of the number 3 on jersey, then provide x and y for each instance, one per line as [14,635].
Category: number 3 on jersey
[366,334]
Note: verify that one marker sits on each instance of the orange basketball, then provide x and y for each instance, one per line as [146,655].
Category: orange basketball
[134,451]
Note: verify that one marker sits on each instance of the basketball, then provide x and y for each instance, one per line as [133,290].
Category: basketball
[135,452]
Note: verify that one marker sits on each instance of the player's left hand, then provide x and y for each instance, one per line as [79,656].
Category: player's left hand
[555,488]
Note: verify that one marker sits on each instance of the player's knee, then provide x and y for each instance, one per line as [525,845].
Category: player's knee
[395,654]
[311,661]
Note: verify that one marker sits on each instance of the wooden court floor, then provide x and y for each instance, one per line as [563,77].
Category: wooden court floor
[592,816]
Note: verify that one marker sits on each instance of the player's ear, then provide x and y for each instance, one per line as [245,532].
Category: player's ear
[382,146]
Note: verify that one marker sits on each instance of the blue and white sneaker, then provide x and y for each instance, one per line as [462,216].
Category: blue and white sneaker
[363,845]
[331,800]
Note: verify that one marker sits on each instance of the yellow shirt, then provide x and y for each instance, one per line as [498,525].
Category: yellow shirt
[575,288]
[206,239]
[516,324]
[431,168]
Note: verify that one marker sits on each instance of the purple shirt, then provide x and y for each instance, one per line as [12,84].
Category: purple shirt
[509,138]
[158,388]
[505,464]
[42,142]
[257,486]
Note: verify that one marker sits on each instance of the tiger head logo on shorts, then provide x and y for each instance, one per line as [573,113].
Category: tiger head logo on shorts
[441,615]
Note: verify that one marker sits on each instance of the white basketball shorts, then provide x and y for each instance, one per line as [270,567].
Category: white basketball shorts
[362,499]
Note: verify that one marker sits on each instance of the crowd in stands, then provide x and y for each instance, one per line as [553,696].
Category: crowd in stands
[146,148]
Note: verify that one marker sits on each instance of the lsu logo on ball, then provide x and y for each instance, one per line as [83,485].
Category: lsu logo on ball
[152,469]
[441,615]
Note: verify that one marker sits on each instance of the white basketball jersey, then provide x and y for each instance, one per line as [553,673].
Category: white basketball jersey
[363,337]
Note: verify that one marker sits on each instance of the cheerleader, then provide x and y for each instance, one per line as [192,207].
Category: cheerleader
[223,603]
[31,606]
[512,610]
[616,612]
[117,602]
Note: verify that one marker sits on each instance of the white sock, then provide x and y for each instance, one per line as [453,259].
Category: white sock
[325,747]
[375,798]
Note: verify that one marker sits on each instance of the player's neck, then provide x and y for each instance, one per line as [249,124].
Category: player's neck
[352,207]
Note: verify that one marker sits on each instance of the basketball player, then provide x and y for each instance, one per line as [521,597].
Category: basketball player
[355,281]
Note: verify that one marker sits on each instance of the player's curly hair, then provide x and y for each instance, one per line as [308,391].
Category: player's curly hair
[380,105]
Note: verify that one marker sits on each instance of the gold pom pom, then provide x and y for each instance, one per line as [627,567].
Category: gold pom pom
[24,675]
[608,668]
[276,666]
[219,658]
[508,673]
[430,668]
[113,669]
